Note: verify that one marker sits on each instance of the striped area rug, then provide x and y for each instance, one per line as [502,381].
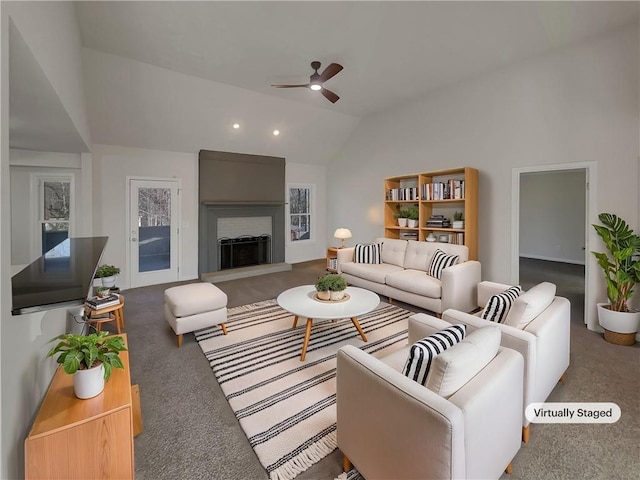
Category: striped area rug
[287,408]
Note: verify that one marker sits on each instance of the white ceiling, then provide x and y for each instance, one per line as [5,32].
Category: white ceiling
[392,52]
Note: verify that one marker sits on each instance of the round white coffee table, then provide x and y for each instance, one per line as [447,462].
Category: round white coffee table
[301,302]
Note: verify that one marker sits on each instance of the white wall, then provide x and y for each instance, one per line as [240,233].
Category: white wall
[578,104]
[296,252]
[24,165]
[552,216]
[111,167]
[51,32]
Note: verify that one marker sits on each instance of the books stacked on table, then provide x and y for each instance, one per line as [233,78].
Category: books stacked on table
[97,303]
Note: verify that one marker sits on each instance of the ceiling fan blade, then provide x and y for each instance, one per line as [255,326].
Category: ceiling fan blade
[329,95]
[306,85]
[330,71]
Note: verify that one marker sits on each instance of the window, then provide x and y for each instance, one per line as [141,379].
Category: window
[54,211]
[300,213]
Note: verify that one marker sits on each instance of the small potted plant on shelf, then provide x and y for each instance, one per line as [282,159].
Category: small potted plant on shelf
[458,220]
[402,216]
[89,358]
[622,272]
[331,287]
[108,274]
[412,216]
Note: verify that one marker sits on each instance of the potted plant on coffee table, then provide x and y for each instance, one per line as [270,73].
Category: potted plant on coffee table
[89,358]
[331,287]
[622,272]
[107,273]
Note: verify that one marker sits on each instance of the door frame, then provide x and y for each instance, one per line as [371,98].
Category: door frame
[127,233]
[591,217]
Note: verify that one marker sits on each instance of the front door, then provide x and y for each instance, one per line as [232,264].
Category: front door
[153,236]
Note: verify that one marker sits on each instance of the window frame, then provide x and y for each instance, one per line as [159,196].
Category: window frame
[311,214]
[38,181]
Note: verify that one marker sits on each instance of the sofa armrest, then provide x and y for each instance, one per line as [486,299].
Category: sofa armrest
[422,432]
[345,255]
[459,286]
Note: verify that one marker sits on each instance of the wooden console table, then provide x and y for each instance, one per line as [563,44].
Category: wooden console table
[85,439]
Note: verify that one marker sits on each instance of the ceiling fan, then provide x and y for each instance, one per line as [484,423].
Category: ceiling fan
[317,79]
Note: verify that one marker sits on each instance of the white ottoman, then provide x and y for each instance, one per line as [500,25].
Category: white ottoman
[195,306]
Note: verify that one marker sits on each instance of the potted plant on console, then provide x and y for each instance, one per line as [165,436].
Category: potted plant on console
[331,287]
[622,272]
[108,274]
[89,358]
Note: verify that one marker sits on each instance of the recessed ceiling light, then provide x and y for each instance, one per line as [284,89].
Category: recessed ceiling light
[276,132]
[236,126]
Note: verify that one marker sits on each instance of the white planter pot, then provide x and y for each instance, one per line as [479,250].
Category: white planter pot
[89,383]
[402,222]
[109,281]
[412,223]
[620,322]
[458,224]
[337,295]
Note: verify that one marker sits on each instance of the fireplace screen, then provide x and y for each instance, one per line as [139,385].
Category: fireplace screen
[244,251]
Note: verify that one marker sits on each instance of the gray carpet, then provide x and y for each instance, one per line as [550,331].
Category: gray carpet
[191,432]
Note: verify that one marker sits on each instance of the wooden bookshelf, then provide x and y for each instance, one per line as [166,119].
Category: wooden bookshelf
[462,187]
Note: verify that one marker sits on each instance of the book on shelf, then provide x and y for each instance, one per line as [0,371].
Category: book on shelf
[450,190]
[400,194]
[97,303]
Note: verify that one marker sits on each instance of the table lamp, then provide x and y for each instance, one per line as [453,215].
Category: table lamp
[342,234]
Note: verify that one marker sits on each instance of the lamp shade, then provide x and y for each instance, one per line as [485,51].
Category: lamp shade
[342,234]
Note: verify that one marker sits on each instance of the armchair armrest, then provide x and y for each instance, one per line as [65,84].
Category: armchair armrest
[459,286]
[401,417]
[486,289]
[345,255]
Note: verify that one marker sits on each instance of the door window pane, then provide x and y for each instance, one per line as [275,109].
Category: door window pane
[154,229]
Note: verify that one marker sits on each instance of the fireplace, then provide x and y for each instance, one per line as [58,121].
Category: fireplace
[233,235]
[244,251]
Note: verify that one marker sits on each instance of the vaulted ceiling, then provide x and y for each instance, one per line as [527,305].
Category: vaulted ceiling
[392,52]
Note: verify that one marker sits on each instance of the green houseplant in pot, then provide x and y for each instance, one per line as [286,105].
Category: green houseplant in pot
[108,274]
[89,358]
[331,287]
[402,215]
[621,268]
[412,216]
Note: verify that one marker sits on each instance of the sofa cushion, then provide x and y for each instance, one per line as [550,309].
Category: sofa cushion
[498,306]
[453,368]
[440,261]
[418,255]
[415,281]
[393,251]
[367,253]
[367,271]
[422,353]
[530,304]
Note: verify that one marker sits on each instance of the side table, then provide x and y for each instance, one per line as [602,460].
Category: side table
[114,313]
[332,259]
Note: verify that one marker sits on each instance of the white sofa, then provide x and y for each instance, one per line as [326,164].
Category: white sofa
[402,275]
[390,426]
[544,342]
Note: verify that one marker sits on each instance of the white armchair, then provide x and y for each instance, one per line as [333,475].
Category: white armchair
[390,426]
[544,342]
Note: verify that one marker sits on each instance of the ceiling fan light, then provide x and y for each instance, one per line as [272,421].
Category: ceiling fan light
[315,86]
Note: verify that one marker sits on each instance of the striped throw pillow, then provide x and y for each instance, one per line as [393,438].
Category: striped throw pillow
[367,253]
[422,353]
[499,304]
[439,262]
